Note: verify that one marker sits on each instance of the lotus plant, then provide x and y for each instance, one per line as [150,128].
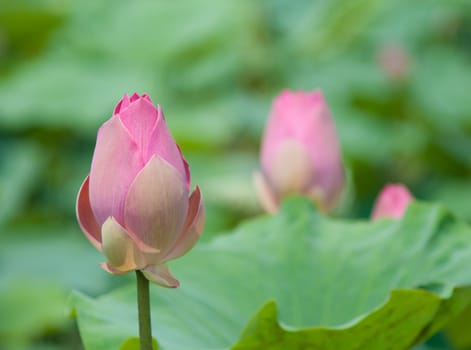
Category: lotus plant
[392,202]
[135,206]
[300,152]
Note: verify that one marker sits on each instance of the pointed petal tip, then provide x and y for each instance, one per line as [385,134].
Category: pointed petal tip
[186,167]
[200,218]
[160,274]
[123,103]
[135,96]
[111,269]
[160,112]
[147,97]
[317,93]
[392,202]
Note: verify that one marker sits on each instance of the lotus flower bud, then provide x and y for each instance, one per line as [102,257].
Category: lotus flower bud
[392,202]
[300,152]
[135,205]
[395,62]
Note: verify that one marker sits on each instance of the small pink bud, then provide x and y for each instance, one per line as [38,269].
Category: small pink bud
[135,205]
[300,152]
[392,202]
[394,60]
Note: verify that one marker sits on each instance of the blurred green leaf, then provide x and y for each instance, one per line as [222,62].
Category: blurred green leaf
[411,24]
[458,330]
[215,66]
[225,180]
[63,256]
[25,28]
[324,28]
[68,87]
[227,186]
[455,195]
[342,284]
[33,308]
[37,271]
[62,92]
[442,87]
[16,166]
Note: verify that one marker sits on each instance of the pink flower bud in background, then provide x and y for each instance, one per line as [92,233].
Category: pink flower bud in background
[395,62]
[135,205]
[300,152]
[392,202]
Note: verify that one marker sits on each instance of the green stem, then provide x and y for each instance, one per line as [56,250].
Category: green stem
[143,305]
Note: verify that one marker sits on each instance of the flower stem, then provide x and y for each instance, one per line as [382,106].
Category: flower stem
[143,305]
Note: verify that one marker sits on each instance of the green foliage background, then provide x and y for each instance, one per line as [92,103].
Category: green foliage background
[214,66]
[298,280]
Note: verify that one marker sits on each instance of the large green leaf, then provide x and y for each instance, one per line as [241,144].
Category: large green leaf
[317,282]
[447,104]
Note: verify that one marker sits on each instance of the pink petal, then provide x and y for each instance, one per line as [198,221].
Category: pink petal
[147,97]
[305,117]
[291,117]
[163,145]
[392,202]
[324,149]
[187,168]
[291,170]
[266,195]
[156,205]
[139,119]
[116,162]
[120,250]
[86,219]
[192,228]
[161,275]
[135,96]
[124,103]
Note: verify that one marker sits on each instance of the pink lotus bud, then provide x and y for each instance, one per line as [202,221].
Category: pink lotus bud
[392,202]
[135,205]
[395,62]
[300,152]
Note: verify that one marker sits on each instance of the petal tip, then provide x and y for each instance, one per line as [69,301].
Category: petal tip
[160,274]
[392,202]
[111,269]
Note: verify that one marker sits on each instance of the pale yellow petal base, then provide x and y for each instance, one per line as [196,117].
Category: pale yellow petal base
[266,195]
[121,251]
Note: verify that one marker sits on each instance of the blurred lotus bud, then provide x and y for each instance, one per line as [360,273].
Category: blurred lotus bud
[300,152]
[394,61]
[392,202]
[135,205]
